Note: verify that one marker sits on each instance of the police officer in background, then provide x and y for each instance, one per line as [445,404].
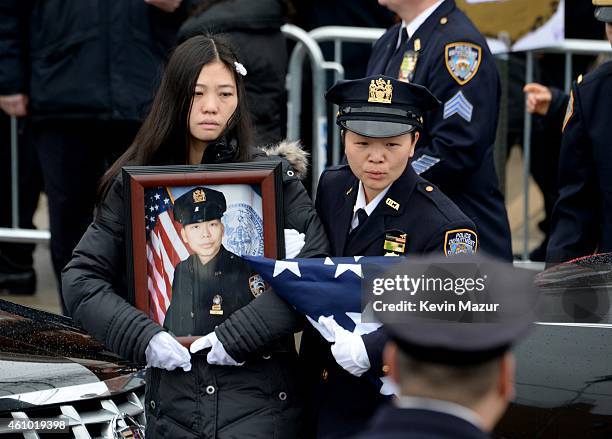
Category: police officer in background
[582,216]
[437,46]
[455,380]
[373,206]
[213,282]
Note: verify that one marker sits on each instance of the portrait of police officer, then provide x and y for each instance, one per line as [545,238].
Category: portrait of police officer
[437,46]
[455,380]
[213,282]
[375,205]
[582,216]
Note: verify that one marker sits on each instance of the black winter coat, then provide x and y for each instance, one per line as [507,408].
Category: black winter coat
[259,399]
[86,58]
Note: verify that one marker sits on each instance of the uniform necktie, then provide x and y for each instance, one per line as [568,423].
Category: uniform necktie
[403,38]
[362,216]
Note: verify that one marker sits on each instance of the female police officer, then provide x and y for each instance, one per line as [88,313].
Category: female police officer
[375,205]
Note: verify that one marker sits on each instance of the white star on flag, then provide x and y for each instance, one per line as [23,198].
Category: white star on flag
[281,266]
[157,197]
[355,268]
[328,261]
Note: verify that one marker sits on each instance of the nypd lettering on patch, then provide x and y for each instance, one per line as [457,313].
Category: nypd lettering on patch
[460,241]
[462,60]
[460,106]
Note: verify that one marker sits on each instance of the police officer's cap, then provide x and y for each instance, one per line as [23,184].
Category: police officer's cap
[465,338]
[198,205]
[603,12]
[380,106]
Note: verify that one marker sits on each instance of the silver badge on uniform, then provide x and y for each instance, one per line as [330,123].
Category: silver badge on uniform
[257,285]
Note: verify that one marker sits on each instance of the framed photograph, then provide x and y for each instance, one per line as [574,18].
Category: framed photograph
[187,228]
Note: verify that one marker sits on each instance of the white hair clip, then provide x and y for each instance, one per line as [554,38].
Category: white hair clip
[240,68]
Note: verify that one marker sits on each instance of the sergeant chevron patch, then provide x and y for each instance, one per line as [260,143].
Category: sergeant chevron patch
[458,104]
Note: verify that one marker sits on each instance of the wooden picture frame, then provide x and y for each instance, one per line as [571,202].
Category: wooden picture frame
[157,240]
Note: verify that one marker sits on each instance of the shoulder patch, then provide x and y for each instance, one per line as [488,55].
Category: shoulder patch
[256,285]
[462,61]
[570,110]
[460,241]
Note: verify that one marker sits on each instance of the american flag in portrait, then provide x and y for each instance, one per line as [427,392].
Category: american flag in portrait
[165,249]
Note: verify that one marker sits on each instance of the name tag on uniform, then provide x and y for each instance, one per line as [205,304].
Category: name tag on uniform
[395,243]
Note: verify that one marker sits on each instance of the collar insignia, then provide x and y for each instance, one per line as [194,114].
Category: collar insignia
[393,204]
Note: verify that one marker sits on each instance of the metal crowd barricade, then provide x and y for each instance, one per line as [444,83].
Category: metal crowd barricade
[307,46]
[15,234]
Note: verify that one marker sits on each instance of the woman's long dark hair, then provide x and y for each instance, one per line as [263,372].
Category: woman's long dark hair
[163,138]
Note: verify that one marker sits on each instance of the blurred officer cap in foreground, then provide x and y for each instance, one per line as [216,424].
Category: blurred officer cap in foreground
[468,310]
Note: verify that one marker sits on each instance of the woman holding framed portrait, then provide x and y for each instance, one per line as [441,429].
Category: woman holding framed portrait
[199,116]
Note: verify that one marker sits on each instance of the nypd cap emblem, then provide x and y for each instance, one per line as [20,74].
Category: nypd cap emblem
[462,61]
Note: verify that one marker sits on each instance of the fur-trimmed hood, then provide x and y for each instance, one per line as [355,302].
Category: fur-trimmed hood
[293,153]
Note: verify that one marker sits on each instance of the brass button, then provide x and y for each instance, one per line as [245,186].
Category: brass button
[210,390]
[152,404]
[282,396]
[385,369]
[324,374]
[443,20]
[429,188]
[266,357]
[290,173]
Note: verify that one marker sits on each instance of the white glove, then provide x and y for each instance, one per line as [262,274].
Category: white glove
[294,241]
[348,349]
[165,352]
[217,355]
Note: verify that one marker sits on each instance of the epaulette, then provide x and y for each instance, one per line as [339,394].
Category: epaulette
[444,204]
[600,72]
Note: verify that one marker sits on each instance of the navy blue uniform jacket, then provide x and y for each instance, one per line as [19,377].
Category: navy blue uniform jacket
[338,403]
[455,150]
[582,216]
[395,423]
